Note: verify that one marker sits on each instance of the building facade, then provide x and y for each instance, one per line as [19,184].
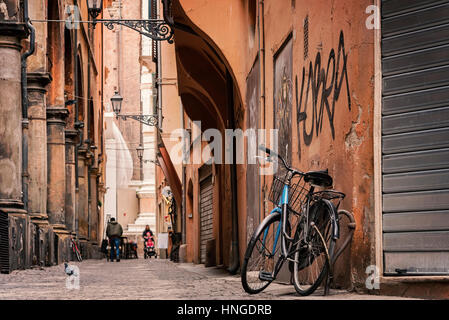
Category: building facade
[358,88]
[52,131]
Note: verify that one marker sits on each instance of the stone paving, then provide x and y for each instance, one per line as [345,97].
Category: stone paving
[145,279]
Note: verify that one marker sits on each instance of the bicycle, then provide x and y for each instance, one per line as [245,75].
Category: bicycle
[302,229]
[75,249]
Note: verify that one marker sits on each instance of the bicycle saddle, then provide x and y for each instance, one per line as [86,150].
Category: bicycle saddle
[319,178]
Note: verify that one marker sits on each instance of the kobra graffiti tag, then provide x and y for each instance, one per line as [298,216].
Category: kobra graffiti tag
[324,87]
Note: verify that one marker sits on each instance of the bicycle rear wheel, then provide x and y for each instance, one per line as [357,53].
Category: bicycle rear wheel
[313,253]
[262,257]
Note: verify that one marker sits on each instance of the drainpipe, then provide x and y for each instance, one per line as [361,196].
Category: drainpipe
[89,143]
[183,209]
[235,233]
[119,50]
[261,37]
[78,125]
[159,79]
[25,104]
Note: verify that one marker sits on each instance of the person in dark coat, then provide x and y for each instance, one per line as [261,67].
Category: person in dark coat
[114,231]
[147,229]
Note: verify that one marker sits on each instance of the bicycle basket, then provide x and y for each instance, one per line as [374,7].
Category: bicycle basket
[297,191]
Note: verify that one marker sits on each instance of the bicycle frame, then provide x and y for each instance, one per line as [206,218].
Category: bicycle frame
[281,232]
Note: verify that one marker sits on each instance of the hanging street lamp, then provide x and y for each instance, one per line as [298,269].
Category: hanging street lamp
[116,102]
[139,150]
[94,7]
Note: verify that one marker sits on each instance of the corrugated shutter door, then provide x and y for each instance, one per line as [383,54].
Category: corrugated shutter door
[206,214]
[415,136]
[4,243]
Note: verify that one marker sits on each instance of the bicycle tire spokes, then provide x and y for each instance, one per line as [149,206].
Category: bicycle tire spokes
[261,265]
[311,262]
[263,249]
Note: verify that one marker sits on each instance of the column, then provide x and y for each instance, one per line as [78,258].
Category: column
[11,118]
[56,182]
[70,176]
[56,167]
[83,223]
[37,146]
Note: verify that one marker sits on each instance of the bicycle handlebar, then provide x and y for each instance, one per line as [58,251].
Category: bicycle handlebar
[272,153]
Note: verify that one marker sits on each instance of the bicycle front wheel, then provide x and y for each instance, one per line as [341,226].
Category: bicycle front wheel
[311,262]
[262,255]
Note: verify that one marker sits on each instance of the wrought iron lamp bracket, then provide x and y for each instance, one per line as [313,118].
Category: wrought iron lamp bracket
[158,30]
[155,162]
[149,120]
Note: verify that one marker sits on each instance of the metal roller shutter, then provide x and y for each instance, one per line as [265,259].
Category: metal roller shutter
[415,136]
[4,243]
[206,214]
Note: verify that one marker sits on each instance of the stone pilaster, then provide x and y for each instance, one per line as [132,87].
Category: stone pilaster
[37,146]
[83,214]
[11,118]
[56,183]
[70,196]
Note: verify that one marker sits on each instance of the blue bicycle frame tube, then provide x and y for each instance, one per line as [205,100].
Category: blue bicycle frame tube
[277,209]
[282,201]
[284,198]
[284,206]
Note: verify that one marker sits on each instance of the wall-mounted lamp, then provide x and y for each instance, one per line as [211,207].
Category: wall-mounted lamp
[116,101]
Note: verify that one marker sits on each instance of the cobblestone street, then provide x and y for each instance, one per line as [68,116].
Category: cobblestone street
[144,279]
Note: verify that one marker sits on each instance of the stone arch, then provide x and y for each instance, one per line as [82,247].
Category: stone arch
[91,121]
[79,89]
[69,75]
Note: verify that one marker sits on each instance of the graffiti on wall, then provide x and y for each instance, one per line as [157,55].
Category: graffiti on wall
[320,92]
[283,92]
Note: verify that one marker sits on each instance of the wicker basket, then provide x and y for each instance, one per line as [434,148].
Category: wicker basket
[297,191]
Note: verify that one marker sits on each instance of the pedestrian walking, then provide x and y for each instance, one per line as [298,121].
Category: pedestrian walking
[147,232]
[114,231]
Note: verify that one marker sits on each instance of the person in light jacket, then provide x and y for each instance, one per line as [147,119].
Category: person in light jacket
[114,231]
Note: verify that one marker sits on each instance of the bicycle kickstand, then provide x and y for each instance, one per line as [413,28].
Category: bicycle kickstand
[328,282]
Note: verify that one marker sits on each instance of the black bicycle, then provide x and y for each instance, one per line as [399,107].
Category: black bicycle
[302,229]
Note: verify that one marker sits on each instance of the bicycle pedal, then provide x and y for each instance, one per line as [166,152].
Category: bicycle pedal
[265,276]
